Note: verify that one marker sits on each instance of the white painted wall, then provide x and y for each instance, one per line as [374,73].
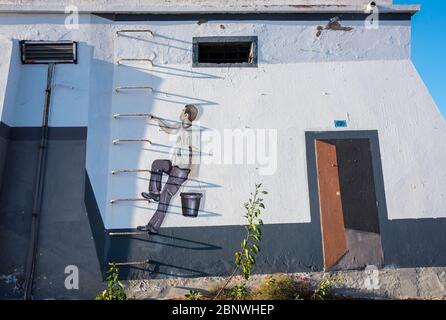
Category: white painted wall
[69,106]
[302,83]
[8,80]
[99,109]
[79,96]
[6,47]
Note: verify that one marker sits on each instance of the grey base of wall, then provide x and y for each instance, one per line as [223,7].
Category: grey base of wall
[4,139]
[414,243]
[65,237]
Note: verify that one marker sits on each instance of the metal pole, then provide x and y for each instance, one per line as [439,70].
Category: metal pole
[134,30]
[116,141]
[34,236]
[129,263]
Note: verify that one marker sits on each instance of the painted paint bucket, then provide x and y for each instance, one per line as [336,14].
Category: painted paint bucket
[190,203]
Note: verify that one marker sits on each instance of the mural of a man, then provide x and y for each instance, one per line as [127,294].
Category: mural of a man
[177,169]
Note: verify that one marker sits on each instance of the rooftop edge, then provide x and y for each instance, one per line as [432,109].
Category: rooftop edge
[205,9]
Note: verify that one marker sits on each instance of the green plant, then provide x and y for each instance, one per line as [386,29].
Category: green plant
[250,246]
[245,258]
[323,290]
[239,291]
[193,295]
[115,289]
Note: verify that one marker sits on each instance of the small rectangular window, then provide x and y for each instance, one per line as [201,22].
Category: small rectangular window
[225,52]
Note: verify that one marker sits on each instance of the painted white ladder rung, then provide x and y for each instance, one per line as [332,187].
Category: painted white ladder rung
[130,171]
[128,233]
[112,201]
[116,141]
[129,263]
[118,115]
[134,31]
[131,88]
[120,61]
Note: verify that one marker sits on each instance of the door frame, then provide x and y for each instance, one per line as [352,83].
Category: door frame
[372,136]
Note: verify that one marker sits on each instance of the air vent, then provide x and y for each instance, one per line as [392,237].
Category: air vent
[44,52]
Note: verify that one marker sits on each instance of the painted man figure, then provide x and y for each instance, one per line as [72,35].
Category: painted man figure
[178,168]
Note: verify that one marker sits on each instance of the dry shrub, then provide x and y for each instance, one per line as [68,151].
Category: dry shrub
[282,287]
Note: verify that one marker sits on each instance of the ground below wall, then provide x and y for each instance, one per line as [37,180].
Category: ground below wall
[410,283]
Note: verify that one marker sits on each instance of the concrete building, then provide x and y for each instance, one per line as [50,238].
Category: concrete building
[318,100]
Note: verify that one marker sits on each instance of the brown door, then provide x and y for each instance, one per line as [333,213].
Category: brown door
[332,218]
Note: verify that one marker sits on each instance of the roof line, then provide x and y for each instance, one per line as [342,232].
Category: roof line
[206,9]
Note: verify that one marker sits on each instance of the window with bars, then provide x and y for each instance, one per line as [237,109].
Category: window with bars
[225,52]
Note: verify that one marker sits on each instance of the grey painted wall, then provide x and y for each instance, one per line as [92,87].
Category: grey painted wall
[65,237]
[4,139]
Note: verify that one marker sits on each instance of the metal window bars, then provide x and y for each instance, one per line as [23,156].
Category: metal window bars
[122,60]
[116,141]
[133,88]
[119,32]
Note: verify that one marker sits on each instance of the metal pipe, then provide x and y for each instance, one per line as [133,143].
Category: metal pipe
[37,204]
[116,141]
[131,233]
[119,61]
[125,88]
[129,263]
[128,199]
[134,31]
[130,170]
[131,115]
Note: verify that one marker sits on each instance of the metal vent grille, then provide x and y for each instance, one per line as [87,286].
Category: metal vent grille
[43,52]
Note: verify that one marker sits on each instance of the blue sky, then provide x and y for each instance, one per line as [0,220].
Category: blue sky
[429,46]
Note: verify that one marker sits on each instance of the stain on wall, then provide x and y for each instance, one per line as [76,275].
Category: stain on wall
[333,25]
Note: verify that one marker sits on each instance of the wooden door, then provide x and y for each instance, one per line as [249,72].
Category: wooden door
[332,219]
